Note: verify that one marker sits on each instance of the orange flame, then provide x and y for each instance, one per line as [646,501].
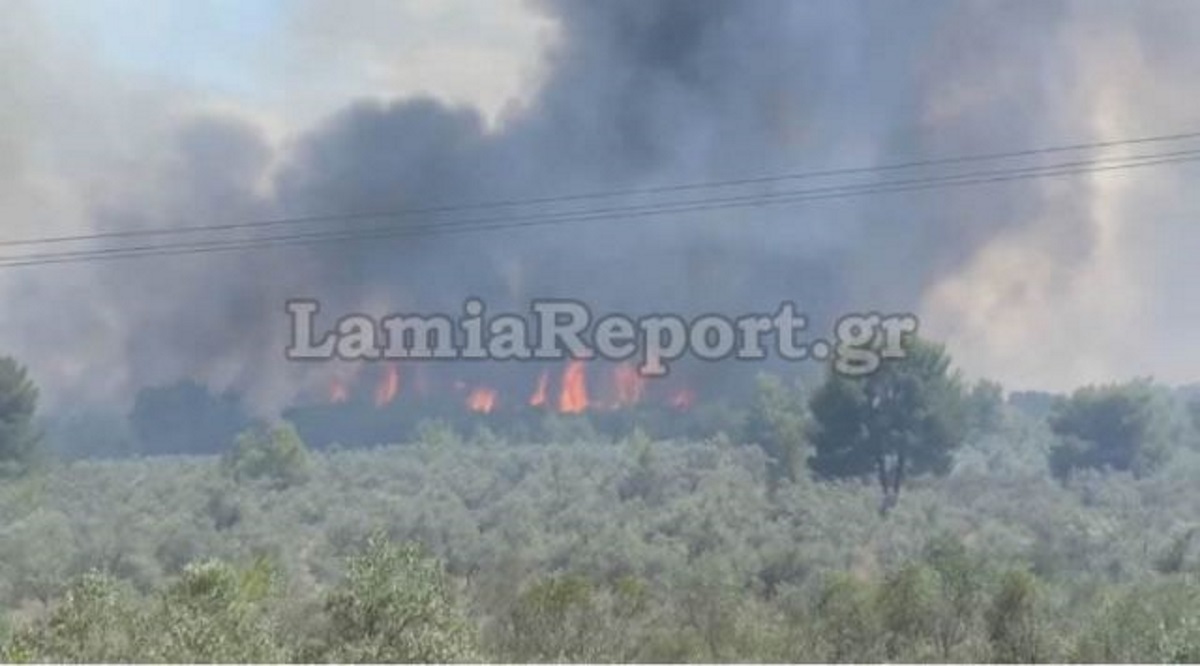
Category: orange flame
[482,399]
[388,386]
[539,394]
[338,393]
[630,385]
[683,399]
[573,396]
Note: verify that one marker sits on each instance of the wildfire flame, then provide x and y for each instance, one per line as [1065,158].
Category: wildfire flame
[683,399]
[629,384]
[389,386]
[573,396]
[338,393]
[539,395]
[620,387]
[482,399]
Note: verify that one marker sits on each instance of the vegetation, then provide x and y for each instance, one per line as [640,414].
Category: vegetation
[274,453]
[1126,428]
[906,418]
[567,540]
[18,402]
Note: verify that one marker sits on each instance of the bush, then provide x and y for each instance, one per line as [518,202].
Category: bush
[276,453]
[94,622]
[215,613]
[1014,622]
[395,605]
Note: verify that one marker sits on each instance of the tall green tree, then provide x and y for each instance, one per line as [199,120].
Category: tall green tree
[905,418]
[18,403]
[1123,427]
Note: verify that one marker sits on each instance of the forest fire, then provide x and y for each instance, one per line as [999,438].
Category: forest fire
[482,399]
[629,385]
[617,387]
[573,394]
[389,386]
[539,394]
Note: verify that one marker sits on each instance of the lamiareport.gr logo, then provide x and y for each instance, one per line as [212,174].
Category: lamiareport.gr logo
[568,329]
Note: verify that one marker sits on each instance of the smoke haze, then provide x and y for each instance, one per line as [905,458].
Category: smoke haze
[1040,284]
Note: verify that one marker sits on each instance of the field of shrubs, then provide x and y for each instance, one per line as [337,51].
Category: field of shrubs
[598,548]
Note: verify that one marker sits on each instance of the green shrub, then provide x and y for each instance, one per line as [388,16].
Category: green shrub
[1014,623]
[395,605]
[276,453]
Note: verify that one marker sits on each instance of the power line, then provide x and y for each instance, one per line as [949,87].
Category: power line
[632,212]
[366,216]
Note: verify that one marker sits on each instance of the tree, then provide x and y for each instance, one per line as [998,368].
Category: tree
[985,406]
[905,418]
[1123,427]
[18,402]
[776,423]
[214,613]
[395,605]
[276,453]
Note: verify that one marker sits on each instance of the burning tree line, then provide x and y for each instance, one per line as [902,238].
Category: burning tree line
[379,403]
[569,390]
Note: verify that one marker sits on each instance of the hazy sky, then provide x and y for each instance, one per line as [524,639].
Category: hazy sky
[112,107]
[294,61]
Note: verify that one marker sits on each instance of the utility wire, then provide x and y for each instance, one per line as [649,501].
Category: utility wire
[629,212]
[367,216]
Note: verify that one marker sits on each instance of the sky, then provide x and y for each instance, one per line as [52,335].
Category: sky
[128,114]
[295,61]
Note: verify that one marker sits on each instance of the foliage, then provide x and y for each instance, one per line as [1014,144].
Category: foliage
[395,605]
[214,614]
[1014,628]
[905,418]
[568,618]
[438,433]
[275,453]
[776,421]
[638,549]
[18,402]
[211,614]
[93,622]
[1126,427]
[984,406]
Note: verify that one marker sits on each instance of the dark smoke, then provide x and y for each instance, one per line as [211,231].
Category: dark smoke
[638,94]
